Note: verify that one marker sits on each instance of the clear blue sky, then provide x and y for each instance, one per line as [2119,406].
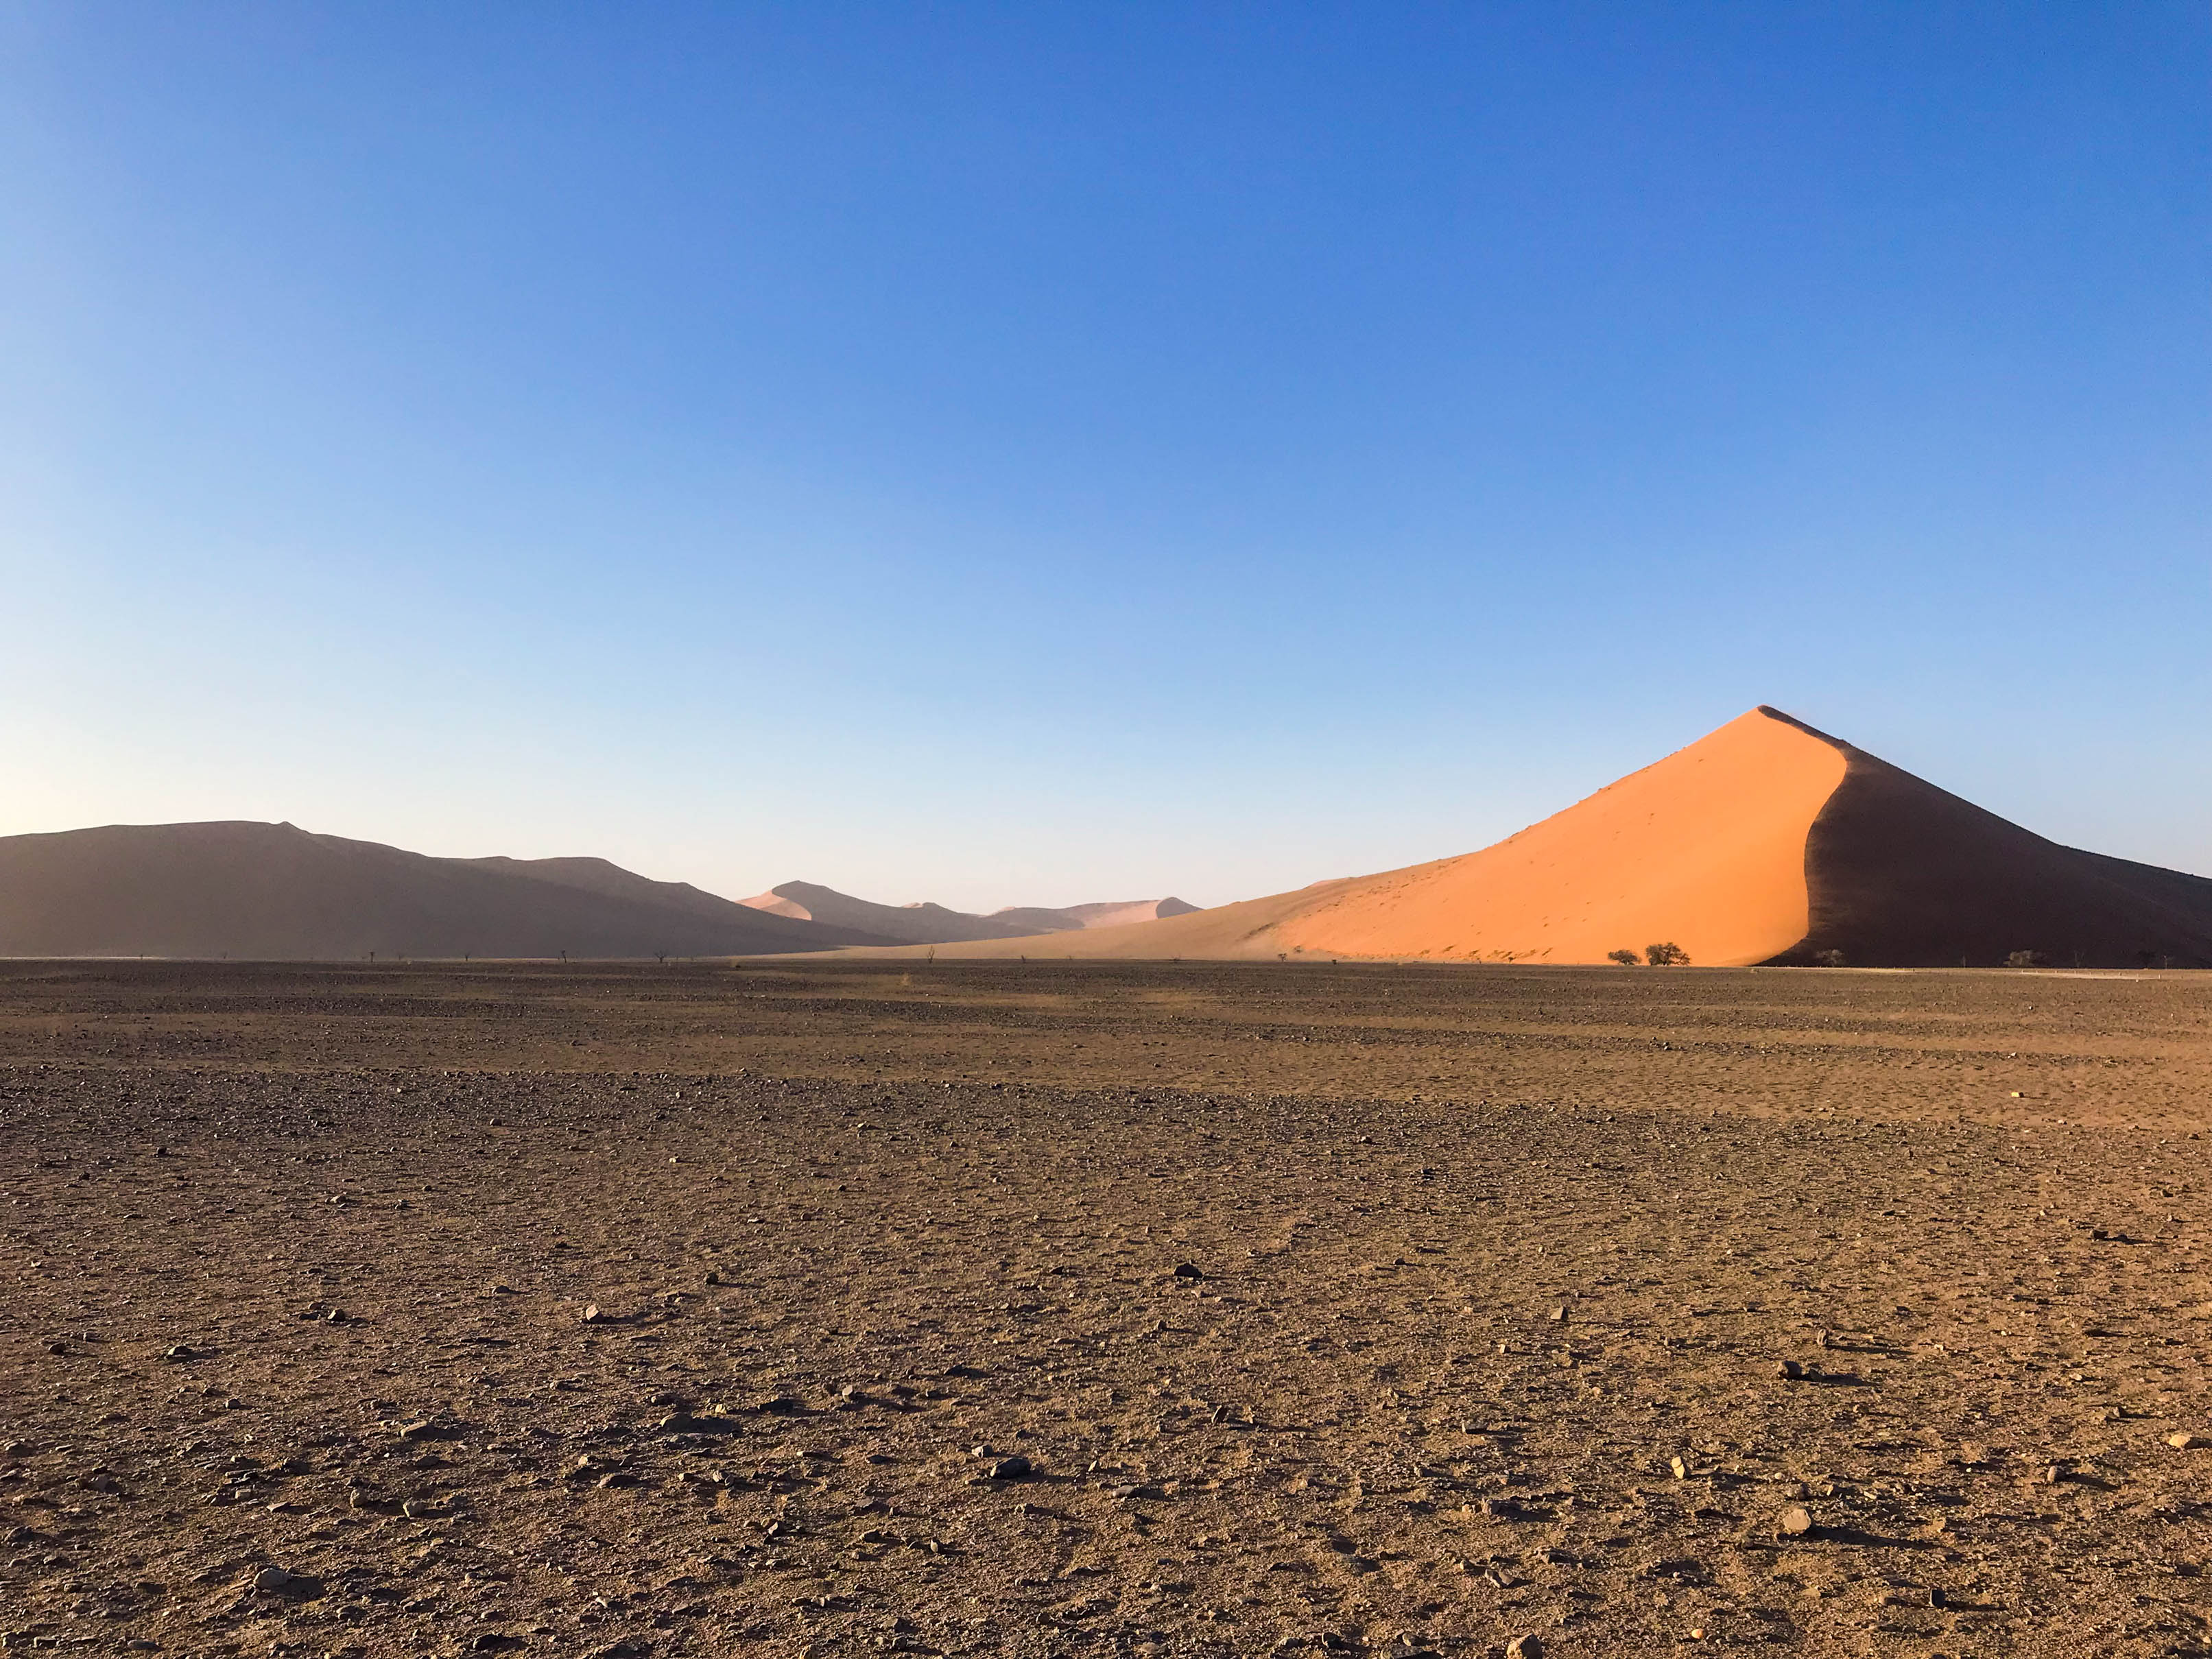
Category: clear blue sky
[1035,454]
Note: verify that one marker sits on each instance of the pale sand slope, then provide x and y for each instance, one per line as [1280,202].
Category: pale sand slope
[1705,849]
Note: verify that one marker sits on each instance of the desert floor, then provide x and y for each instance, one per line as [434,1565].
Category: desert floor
[702,1310]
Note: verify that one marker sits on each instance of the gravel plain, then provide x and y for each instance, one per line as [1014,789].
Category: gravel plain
[1101,1308]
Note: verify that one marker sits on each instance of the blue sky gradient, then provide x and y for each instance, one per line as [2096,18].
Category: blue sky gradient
[1039,453]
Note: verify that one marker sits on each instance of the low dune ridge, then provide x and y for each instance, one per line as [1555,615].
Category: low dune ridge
[933,924]
[911,924]
[1766,841]
[275,892]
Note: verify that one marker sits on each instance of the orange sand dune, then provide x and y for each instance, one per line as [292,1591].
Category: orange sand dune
[1764,842]
[1705,849]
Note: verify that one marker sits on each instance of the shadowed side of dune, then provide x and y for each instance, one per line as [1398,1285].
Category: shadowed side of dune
[1902,874]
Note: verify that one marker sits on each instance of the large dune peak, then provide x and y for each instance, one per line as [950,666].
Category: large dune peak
[1763,841]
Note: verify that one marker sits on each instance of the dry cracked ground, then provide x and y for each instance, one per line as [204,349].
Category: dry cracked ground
[1102,1309]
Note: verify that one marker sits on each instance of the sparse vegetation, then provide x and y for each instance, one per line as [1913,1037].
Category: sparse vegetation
[1830,959]
[2027,959]
[1625,958]
[1669,955]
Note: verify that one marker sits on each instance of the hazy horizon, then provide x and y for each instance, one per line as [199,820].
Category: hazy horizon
[1000,456]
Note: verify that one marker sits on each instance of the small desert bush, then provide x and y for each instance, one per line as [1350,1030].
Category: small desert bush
[1625,958]
[1669,955]
[1830,958]
[2027,959]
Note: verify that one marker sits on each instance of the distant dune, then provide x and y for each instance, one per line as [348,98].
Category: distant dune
[275,892]
[1117,914]
[933,924]
[1764,842]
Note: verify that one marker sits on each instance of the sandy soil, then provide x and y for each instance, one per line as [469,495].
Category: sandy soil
[697,1311]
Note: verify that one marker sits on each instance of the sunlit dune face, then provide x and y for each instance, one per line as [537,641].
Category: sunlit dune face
[1705,849]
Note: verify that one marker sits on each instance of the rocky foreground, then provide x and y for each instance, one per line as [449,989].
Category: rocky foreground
[864,1325]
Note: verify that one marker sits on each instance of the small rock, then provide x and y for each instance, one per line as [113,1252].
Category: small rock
[1559,1315]
[1016,1467]
[1795,1521]
[179,1353]
[713,1278]
[420,1428]
[272,1578]
[2182,1440]
[614,1478]
[1789,1370]
[2053,1473]
[593,1315]
[1681,1469]
[1524,1647]
[1188,1270]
